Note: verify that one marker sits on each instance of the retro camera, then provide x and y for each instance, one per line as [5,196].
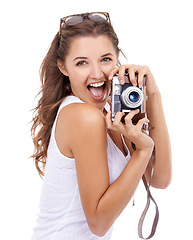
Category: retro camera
[125,98]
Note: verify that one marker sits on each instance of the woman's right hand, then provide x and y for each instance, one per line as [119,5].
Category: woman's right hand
[133,132]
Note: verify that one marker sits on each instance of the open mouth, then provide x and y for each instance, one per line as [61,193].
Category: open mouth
[97,90]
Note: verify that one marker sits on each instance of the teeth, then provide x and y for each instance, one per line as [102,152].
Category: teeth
[97,84]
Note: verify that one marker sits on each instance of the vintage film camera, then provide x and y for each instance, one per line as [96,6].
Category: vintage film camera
[125,98]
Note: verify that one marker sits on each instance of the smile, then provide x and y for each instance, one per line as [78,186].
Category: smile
[97,90]
[97,84]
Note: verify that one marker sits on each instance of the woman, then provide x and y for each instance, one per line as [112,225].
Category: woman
[91,171]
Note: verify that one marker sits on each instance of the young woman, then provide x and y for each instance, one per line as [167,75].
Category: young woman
[90,169]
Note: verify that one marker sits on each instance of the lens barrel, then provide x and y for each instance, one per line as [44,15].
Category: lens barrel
[132,97]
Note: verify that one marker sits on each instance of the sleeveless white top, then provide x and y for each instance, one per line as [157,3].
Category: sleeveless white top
[61,214]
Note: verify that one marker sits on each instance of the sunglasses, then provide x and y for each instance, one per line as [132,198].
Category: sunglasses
[78,18]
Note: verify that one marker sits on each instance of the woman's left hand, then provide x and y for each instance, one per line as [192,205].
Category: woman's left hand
[142,71]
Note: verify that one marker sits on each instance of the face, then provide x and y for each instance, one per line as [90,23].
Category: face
[88,64]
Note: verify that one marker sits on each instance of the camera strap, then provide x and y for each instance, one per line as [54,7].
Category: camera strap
[149,199]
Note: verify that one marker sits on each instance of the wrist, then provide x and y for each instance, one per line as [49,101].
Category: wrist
[146,148]
[144,153]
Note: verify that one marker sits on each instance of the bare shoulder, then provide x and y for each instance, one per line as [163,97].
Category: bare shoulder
[81,114]
[78,123]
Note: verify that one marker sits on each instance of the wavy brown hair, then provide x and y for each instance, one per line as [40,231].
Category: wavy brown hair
[55,86]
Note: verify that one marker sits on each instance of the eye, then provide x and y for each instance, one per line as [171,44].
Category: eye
[81,63]
[106,59]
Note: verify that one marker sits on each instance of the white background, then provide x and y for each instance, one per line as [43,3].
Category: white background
[151,32]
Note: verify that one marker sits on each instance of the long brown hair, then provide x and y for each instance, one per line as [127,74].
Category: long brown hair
[55,86]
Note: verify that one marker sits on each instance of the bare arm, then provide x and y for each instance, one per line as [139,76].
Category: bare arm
[163,166]
[102,202]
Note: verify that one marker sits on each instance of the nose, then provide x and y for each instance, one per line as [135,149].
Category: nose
[96,72]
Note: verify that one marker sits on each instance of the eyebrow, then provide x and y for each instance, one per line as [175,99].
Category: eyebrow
[77,58]
[105,55]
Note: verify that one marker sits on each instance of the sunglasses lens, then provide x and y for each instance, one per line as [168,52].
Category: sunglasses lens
[73,20]
[98,17]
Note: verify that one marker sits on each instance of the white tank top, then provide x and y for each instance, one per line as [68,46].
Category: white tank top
[61,215]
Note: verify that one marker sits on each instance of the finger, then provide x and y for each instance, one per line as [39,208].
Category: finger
[140,79]
[143,71]
[122,74]
[108,120]
[132,76]
[116,125]
[112,73]
[147,70]
[117,119]
[141,122]
[128,118]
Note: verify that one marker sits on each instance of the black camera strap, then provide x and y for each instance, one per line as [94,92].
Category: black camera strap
[149,199]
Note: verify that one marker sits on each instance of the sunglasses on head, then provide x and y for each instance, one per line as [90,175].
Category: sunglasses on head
[78,18]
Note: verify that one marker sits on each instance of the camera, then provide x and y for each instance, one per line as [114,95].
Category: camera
[125,98]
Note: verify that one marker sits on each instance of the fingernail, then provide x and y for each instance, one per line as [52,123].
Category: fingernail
[135,84]
[111,76]
[121,82]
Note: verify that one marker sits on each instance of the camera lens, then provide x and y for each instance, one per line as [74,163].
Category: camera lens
[132,97]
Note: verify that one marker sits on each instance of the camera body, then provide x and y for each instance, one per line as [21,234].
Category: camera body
[125,98]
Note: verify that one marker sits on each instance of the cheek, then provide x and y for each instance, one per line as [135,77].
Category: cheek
[77,81]
[109,69]
[80,75]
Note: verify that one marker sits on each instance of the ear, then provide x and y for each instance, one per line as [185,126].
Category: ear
[62,67]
